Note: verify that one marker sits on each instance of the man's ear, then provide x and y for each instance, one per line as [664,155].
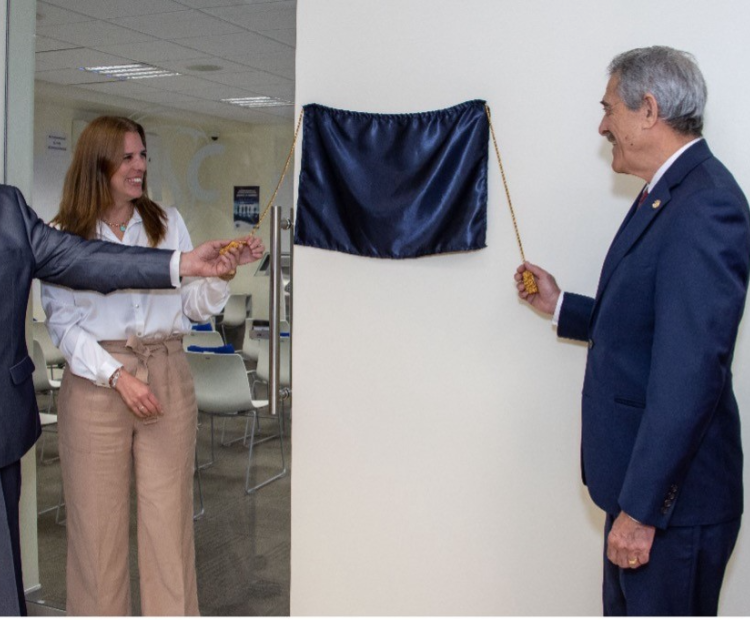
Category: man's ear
[649,110]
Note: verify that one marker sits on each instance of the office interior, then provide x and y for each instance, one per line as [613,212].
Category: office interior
[436,430]
[199,150]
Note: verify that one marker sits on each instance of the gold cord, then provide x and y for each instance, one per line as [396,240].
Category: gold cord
[283,173]
[528,277]
[236,244]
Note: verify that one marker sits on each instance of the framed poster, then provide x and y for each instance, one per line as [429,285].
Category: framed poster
[246,206]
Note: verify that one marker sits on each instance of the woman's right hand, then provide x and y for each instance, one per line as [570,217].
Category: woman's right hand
[138,396]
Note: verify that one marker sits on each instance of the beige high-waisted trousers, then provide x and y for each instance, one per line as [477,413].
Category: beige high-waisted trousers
[101,442]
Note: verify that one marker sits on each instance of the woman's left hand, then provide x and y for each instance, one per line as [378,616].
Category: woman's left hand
[138,396]
[252,250]
[220,257]
[245,250]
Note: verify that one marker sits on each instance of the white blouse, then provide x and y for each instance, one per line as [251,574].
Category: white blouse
[78,320]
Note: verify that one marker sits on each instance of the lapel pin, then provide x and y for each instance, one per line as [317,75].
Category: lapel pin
[656,204]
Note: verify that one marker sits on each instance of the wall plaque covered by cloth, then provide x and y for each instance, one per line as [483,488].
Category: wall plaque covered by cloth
[394,185]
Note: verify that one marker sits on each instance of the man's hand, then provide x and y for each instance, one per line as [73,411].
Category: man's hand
[546,299]
[629,542]
[209,260]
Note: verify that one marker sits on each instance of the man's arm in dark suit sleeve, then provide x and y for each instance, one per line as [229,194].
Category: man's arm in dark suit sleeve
[575,315]
[66,259]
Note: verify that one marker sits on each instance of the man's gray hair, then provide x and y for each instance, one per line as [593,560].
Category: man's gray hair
[671,76]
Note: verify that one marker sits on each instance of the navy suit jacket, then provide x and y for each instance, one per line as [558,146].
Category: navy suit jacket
[661,428]
[31,249]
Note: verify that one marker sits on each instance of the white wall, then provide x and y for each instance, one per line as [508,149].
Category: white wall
[436,428]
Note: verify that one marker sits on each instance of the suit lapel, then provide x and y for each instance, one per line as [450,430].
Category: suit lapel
[632,230]
[636,224]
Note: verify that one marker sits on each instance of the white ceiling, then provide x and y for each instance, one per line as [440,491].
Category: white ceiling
[252,41]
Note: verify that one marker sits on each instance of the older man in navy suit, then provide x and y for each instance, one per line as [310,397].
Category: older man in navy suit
[31,249]
[661,447]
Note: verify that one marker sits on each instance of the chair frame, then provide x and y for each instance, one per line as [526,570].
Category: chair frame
[43,384]
[202,362]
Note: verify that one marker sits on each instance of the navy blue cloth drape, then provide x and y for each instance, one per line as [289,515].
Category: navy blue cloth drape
[394,185]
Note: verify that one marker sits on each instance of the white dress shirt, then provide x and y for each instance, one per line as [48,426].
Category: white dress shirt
[78,320]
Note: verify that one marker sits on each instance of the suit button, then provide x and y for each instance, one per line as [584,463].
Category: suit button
[591,344]
[664,511]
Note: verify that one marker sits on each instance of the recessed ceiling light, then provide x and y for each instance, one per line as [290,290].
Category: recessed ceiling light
[257,102]
[135,71]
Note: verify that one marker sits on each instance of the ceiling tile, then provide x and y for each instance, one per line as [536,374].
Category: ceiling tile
[107,9]
[179,25]
[48,14]
[45,44]
[266,16]
[193,86]
[199,59]
[285,113]
[251,78]
[259,83]
[237,45]
[90,34]
[278,64]
[285,93]
[287,36]
[205,4]
[153,95]
[70,77]
[152,52]
[75,58]
[123,88]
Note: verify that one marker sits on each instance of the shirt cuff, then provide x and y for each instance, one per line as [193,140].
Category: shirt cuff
[105,373]
[174,268]
[558,307]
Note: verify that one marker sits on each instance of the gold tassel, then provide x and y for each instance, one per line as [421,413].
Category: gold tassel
[529,283]
[231,245]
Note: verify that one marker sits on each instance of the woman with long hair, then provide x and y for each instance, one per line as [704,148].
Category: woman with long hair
[127,401]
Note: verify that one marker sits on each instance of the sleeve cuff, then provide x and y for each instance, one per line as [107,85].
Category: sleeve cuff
[105,373]
[558,308]
[174,268]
